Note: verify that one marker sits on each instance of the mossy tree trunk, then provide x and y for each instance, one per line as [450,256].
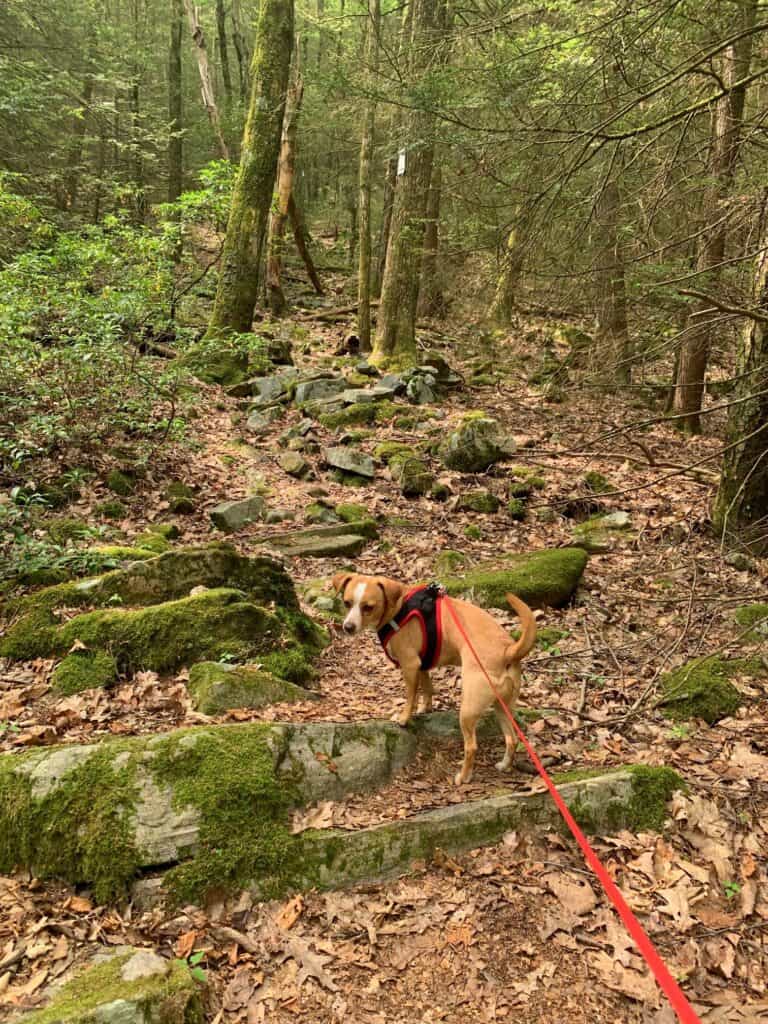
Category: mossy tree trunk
[175,103]
[431,299]
[221,32]
[395,342]
[741,507]
[724,151]
[364,200]
[252,196]
[206,83]
[285,177]
[610,355]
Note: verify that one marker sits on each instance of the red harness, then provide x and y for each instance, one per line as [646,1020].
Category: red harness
[422,603]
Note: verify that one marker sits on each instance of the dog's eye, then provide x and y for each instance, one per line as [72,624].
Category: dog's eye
[347,604]
[367,607]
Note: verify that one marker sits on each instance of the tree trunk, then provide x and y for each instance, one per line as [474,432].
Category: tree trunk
[741,507]
[505,296]
[206,85]
[252,195]
[175,103]
[285,175]
[610,355]
[726,129]
[395,342]
[431,299]
[300,237]
[241,49]
[373,25]
[75,151]
[386,224]
[221,32]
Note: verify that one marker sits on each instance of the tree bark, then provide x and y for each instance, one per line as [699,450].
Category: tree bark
[175,103]
[300,237]
[241,49]
[252,195]
[431,299]
[373,24]
[206,84]
[724,150]
[221,32]
[741,506]
[505,295]
[610,354]
[395,342]
[75,151]
[285,176]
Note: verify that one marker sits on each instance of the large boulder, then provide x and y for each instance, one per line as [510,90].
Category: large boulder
[702,687]
[348,460]
[315,390]
[546,578]
[476,445]
[133,986]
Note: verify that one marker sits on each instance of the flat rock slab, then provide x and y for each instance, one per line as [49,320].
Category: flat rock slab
[216,687]
[335,545]
[350,461]
[313,390]
[231,516]
[546,578]
[135,986]
[375,394]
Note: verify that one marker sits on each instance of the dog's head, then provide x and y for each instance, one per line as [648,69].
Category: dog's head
[370,600]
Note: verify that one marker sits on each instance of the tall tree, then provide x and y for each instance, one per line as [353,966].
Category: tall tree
[206,82]
[373,28]
[285,177]
[610,355]
[238,285]
[221,32]
[741,507]
[175,103]
[724,150]
[241,49]
[396,329]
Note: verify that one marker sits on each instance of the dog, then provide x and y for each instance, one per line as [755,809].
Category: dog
[419,634]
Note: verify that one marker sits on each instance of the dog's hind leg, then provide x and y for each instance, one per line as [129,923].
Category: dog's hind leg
[425,690]
[474,702]
[510,736]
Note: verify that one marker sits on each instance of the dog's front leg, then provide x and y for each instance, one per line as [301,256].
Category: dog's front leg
[425,689]
[411,674]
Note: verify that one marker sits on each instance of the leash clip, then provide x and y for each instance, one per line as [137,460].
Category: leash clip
[436,590]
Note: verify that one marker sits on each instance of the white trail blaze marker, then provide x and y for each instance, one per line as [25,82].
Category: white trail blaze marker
[401,163]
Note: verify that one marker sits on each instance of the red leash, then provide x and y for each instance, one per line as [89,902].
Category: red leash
[685,1012]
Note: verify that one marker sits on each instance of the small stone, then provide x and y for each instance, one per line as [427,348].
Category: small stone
[293,464]
[260,420]
[411,474]
[231,516]
[738,560]
[420,390]
[367,370]
[180,498]
[267,390]
[144,964]
[278,515]
[321,542]
[350,461]
[375,394]
[483,502]
[394,381]
[216,687]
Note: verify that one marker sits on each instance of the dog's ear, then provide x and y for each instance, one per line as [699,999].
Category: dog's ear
[340,580]
[392,591]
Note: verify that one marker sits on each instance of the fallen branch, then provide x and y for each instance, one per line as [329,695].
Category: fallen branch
[725,307]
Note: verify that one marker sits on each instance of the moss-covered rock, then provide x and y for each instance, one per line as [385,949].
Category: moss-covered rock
[702,688]
[152,541]
[135,986]
[64,529]
[755,615]
[473,532]
[516,508]
[542,578]
[359,517]
[358,412]
[216,687]
[180,497]
[601,533]
[448,562]
[84,670]
[411,474]
[387,450]
[111,509]
[222,365]
[476,445]
[120,483]
[596,482]
[482,502]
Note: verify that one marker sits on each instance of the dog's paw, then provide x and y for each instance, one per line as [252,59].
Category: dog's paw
[504,765]
[401,719]
[425,709]
[459,779]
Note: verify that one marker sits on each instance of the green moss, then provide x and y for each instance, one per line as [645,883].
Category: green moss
[215,688]
[84,670]
[482,502]
[411,474]
[66,529]
[111,509]
[596,482]
[644,810]
[542,578]
[388,450]
[473,532]
[120,483]
[168,531]
[243,836]
[171,998]
[702,689]
[349,479]
[358,516]
[405,421]
[359,412]
[753,615]
[516,507]
[386,411]
[80,830]
[293,665]
[449,561]
[520,490]
[114,553]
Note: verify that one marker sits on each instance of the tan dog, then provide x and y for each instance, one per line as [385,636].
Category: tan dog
[374,601]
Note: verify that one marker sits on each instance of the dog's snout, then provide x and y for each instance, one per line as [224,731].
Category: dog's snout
[349,628]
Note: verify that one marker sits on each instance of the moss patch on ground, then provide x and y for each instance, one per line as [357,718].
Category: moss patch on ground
[215,688]
[358,412]
[753,615]
[545,578]
[168,997]
[84,670]
[702,688]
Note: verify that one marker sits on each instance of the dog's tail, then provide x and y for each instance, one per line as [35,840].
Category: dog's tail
[518,650]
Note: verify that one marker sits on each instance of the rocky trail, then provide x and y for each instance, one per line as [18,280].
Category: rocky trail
[181,797]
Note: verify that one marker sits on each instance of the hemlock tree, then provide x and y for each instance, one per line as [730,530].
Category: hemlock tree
[741,508]
[395,342]
[252,195]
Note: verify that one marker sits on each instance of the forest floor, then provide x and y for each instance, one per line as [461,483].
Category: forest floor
[520,928]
